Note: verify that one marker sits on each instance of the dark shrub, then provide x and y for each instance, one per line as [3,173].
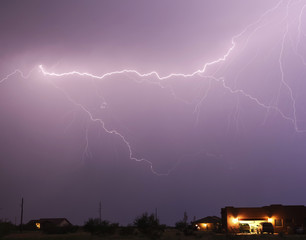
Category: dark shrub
[92,225]
[127,231]
[95,226]
[6,228]
[183,225]
[106,227]
[149,226]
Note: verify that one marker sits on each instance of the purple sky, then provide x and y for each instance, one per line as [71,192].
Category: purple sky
[232,135]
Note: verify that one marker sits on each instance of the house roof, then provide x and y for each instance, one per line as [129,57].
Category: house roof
[33,221]
[209,219]
[55,221]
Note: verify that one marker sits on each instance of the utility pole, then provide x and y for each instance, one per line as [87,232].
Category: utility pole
[100,212]
[21,215]
[156,214]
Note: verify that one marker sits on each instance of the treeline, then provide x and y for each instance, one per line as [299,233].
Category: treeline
[147,225]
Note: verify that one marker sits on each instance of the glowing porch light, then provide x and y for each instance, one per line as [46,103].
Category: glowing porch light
[235,220]
[270,220]
[37,225]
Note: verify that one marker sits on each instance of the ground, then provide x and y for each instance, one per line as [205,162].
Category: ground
[169,234]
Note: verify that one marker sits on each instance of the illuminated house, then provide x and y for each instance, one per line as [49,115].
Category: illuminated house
[285,219]
[208,224]
[56,222]
[45,223]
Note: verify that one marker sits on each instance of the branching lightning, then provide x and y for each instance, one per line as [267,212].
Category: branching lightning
[242,39]
[17,71]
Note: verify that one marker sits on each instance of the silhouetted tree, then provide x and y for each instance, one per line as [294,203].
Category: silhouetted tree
[6,228]
[183,225]
[96,226]
[92,225]
[149,225]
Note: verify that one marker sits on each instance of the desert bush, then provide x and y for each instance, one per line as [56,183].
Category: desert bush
[149,226]
[30,227]
[107,228]
[6,228]
[91,225]
[127,231]
[95,226]
[183,225]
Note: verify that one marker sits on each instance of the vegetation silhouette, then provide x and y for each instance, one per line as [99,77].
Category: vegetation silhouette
[6,228]
[149,226]
[96,226]
[183,226]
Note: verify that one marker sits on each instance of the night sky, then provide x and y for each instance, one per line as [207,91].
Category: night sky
[228,130]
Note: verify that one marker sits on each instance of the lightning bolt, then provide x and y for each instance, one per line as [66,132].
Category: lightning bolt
[86,153]
[17,71]
[242,39]
[153,73]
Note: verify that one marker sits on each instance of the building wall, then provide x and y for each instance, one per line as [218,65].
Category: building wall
[64,223]
[206,226]
[284,218]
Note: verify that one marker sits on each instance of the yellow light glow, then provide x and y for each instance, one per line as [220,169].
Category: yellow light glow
[270,220]
[205,224]
[37,225]
[235,220]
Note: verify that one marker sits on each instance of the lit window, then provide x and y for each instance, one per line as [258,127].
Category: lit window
[37,225]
